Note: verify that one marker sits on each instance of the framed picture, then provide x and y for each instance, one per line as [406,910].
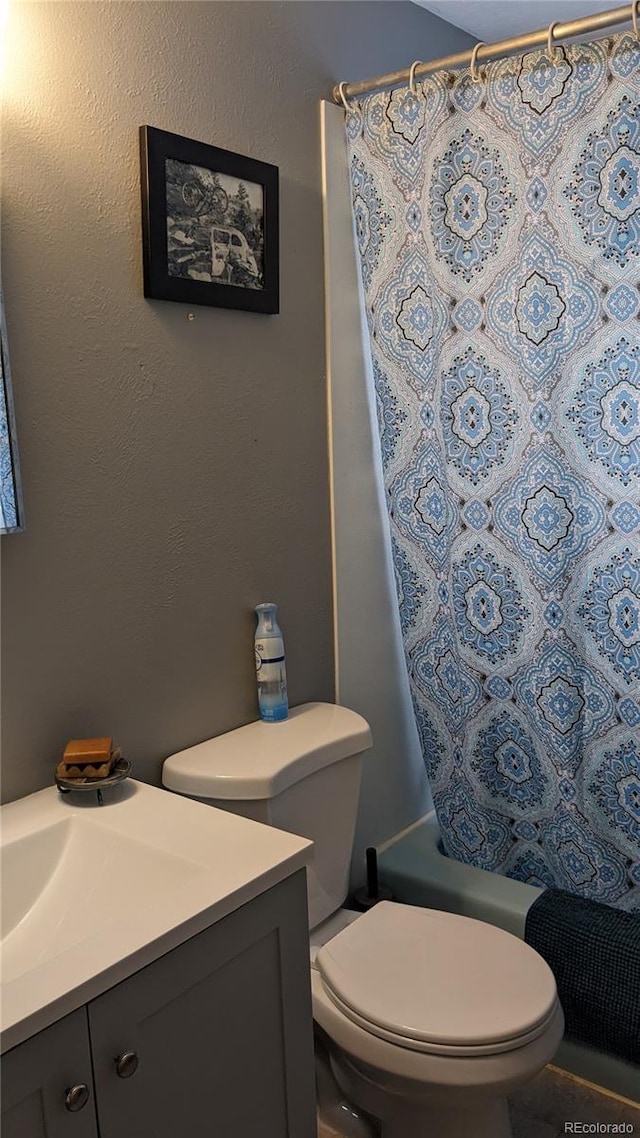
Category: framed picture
[11,513]
[209,224]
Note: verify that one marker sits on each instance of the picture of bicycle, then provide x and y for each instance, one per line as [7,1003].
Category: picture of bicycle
[201,199]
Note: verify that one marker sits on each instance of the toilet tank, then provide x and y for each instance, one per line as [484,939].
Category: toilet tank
[300,775]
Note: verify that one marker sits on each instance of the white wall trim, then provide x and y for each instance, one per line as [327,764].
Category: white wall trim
[370,667]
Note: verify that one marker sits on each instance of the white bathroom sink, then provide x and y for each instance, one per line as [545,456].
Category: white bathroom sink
[90,894]
[69,881]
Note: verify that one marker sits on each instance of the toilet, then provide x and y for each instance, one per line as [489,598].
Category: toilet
[431,1019]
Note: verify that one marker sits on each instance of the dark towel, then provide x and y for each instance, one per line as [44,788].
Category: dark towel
[594,954]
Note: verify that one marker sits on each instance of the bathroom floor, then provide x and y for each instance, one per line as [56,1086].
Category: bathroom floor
[552,1099]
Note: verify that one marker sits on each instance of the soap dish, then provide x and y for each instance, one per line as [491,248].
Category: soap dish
[119,772]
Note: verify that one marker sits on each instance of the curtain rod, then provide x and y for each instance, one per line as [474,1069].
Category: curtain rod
[487,51]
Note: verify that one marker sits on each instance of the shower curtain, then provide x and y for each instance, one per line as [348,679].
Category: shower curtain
[497,220]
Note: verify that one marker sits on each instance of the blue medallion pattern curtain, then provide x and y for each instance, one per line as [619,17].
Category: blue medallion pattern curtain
[498,227]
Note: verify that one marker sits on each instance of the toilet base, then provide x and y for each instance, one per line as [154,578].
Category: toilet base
[404,1117]
[489,1120]
[333,1106]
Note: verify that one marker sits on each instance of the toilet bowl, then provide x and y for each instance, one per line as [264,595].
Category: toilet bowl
[431,1019]
[434,1020]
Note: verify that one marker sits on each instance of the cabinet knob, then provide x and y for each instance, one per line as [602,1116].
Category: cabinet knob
[127,1064]
[76,1097]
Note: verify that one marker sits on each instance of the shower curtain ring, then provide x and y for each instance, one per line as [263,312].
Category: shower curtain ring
[551,52]
[635,5]
[475,78]
[341,87]
[412,78]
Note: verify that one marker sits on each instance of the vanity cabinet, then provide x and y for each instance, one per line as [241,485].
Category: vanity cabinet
[214,1038]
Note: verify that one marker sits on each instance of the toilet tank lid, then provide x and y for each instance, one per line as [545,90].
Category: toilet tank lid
[261,760]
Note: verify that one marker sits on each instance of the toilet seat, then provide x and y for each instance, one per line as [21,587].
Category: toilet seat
[438,983]
[430,1048]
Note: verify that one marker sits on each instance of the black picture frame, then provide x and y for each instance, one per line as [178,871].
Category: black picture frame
[189,234]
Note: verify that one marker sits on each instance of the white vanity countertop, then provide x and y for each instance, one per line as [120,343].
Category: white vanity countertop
[93,893]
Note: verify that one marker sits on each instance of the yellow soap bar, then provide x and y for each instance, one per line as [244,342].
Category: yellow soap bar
[92,751]
[87,759]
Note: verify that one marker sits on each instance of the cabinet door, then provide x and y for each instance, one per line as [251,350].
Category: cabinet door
[221,1030]
[47,1088]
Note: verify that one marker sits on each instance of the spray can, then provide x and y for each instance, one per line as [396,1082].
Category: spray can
[270,665]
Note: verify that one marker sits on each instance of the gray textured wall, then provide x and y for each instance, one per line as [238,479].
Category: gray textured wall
[175,471]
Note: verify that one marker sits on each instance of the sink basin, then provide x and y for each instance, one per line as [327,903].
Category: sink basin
[69,881]
[28,865]
[91,893]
